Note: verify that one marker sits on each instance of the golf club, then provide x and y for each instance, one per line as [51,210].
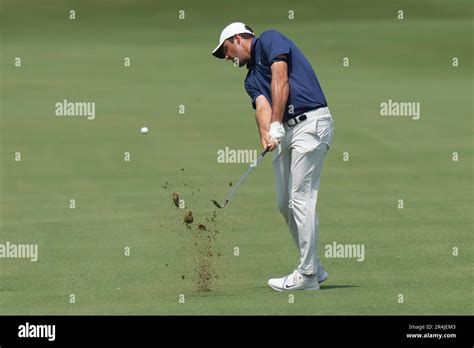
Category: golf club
[236,187]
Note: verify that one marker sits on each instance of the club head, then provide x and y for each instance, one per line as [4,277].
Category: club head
[218,205]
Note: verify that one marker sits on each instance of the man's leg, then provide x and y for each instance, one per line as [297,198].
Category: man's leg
[282,161]
[281,167]
[310,144]
[305,175]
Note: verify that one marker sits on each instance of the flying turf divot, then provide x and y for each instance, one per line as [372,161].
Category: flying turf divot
[204,241]
[204,235]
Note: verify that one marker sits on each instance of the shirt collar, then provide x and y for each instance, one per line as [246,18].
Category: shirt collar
[251,62]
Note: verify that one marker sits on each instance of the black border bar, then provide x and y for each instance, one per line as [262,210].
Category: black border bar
[224,330]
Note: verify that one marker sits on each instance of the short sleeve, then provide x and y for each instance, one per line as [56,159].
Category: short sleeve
[252,89]
[274,44]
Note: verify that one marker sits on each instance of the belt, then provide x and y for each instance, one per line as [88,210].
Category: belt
[303,117]
[295,120]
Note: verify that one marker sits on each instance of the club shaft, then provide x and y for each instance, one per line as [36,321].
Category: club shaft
[252,167]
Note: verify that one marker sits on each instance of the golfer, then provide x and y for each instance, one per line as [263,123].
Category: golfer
[295,123]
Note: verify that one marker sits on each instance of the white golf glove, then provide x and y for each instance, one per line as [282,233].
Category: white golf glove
[276,132]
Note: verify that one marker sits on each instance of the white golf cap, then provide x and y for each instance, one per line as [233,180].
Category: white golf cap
[229,31]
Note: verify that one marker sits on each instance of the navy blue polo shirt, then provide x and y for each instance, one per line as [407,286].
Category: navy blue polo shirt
[305,92]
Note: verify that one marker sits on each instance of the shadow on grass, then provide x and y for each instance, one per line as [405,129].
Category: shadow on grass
[328,287]
[322,287]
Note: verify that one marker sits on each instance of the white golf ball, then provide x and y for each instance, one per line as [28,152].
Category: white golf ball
[144,130]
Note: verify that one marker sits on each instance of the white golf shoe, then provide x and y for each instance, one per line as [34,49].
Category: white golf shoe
[295,281]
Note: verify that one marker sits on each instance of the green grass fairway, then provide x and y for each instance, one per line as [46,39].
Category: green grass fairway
[123,206]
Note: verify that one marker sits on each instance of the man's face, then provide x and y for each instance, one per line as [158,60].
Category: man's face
[235,52]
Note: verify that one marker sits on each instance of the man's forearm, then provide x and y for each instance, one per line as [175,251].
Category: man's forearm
[263,116]
[279,99]
[280,91]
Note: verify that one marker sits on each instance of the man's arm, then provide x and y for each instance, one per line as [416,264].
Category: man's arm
[280,89]
[263,115]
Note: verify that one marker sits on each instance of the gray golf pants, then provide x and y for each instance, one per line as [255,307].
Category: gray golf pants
[297,164]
